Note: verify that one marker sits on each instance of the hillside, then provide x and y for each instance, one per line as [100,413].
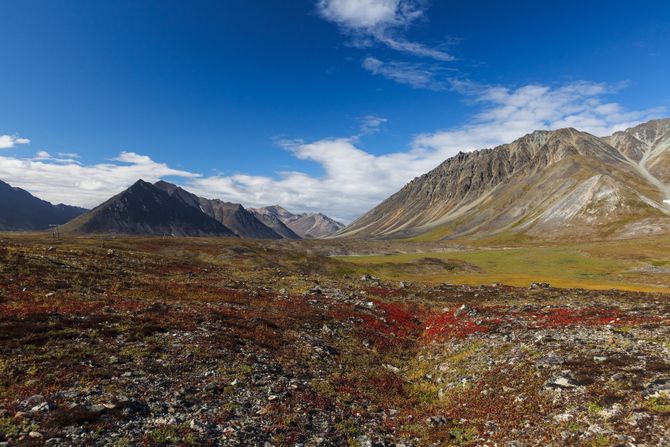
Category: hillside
[548,184]
[233,215]
[273,221]
[305,225]
[147,210]
[21,211]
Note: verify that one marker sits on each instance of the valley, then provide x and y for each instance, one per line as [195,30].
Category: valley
[636,265]
[156,341]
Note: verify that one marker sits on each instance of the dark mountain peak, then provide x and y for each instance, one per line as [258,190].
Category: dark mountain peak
[144,208]
[233,215]
[140,185]
[20,210]
[165,186]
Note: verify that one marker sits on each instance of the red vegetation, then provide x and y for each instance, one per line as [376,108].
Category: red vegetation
[451,324]
[585,316]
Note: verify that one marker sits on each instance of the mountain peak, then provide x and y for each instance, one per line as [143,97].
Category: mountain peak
[21,211]
[144,208]
[546,182]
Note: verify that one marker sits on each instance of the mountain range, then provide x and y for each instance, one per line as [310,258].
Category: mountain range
[21,211]
[305,225]
[163,208]
[144,209]
[547,184]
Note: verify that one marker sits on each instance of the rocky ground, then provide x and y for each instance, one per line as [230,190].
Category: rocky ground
[190,342]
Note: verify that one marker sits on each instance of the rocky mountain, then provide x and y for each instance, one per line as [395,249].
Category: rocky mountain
[21,211]
[314,225]
[233,215]
[147,210]
[271,220]
[548,184]
[305,225]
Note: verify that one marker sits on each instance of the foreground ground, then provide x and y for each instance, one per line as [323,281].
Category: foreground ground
[157,342]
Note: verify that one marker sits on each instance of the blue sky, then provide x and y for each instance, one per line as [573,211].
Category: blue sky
[327,105]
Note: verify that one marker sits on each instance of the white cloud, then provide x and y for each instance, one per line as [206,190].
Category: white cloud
[9,141]
[382,21]
[353,180]
[510,113]
[63,181]
[412,74]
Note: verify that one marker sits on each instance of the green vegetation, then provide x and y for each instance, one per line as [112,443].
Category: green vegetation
[626,265]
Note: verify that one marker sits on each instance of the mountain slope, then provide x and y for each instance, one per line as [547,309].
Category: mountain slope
[272,221]
[306,225]
[144,209]
[545,184]
[233,215]
[314,225]
[20,210]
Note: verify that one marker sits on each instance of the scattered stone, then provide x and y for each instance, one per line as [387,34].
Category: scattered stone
[658,387]
[561,382]
[437,420]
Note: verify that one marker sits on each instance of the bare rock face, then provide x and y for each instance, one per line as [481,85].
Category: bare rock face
[546,184]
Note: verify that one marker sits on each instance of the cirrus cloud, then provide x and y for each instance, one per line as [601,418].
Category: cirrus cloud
[382,21]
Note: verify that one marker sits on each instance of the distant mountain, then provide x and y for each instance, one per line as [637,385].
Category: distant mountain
[144,209]
[233,215]
[314,225]
[274,222]
[306,225]
[21,211]
[548,184]
[277,211]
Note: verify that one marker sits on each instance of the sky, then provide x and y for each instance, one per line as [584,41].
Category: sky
[316,105]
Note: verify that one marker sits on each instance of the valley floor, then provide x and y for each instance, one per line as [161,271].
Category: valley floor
[150,341]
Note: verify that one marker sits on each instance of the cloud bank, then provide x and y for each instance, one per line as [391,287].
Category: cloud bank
[353,180]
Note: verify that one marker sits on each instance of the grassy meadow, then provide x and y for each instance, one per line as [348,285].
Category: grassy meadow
[640,265]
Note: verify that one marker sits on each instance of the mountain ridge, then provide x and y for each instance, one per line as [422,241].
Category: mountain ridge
[305,225]
[21,211]
[233,215]
[544,183]
[144,209]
